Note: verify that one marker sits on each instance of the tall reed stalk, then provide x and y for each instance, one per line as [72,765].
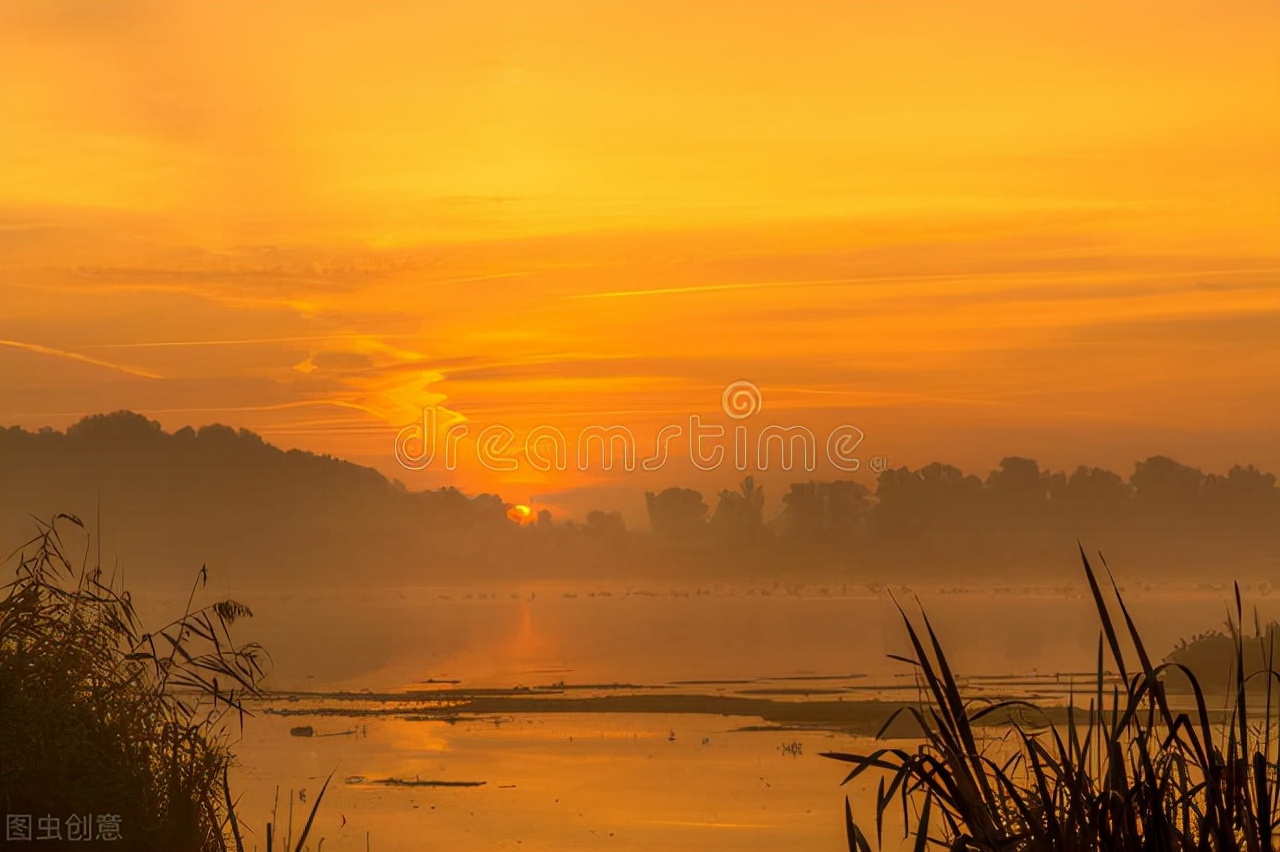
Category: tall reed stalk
[99,717]
[1129,771]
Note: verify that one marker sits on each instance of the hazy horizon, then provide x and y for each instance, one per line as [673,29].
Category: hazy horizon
[163,503]
[1048,235]
[574,504]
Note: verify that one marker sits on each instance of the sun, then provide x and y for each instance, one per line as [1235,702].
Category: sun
[520,513]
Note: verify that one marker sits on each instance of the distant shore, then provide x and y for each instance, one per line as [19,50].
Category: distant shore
[819,709]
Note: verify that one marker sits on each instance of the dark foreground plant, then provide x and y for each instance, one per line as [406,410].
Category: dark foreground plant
[1128,772]
[101,719]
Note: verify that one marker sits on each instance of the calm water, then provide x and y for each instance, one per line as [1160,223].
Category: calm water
[572,781]
[620,781]
[384,639]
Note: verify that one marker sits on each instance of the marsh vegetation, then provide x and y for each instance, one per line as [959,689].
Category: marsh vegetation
[1129,771]
[104,718]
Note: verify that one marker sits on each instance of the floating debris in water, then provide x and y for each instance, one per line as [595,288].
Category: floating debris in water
[411,782]
[309,731]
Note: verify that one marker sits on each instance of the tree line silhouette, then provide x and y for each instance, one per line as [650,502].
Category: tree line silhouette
[221,495]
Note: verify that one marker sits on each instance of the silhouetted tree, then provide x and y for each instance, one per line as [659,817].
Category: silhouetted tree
[826,511]
[1018,481]
[607,527]
[739,515]
[1164,482]
[1241,485]
[677,514]
[1095,486]
[120,428]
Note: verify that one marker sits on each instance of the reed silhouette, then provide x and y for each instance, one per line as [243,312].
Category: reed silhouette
[103,717]
[1130,771]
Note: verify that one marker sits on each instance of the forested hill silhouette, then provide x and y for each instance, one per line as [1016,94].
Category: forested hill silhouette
[263,516]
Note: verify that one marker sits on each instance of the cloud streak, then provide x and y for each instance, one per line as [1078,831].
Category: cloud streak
[83,359]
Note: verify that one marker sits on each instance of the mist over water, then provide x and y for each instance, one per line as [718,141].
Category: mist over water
[534,635]
[636,781]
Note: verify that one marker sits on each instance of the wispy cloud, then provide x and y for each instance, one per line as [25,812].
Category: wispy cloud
[971,277]
[761,285]
[83,359]
[247,341]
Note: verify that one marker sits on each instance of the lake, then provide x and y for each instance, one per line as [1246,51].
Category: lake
[624,780]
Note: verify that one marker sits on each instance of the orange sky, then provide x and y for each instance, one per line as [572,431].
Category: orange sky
[970,229]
